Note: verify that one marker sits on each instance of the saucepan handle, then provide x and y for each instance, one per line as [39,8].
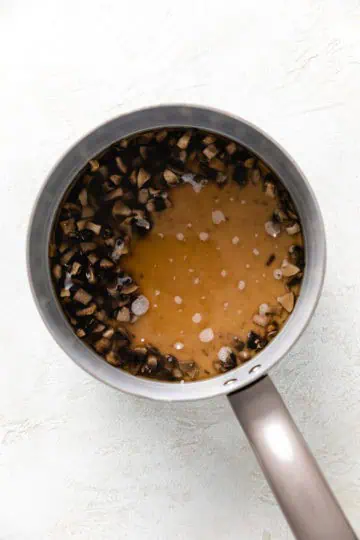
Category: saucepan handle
[295,478]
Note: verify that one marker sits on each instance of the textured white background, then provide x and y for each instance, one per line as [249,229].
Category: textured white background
[77,459]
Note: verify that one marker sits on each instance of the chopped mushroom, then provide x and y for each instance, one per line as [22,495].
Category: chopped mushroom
[90,276]
[68,255]
[83,297]
[57,272]
[152,361]
[80,333]
[244,356]
[217,164]
[231,148]
[87,246]
[64,246]
[115,178]
[64,293]
[249,163]
[210,151]
[240,175]
[83,197]
[177,373]
[255,176]
[109,333]
[119,249]
[183,142]
[114,194]
[209,139]
[143,151]
[120,209]
[143,196]
[221,178]
[102,345]
[293,229]
[121,164]
[68,226]
[94,165]
[123,314]
[112,358]
[142,177]
[106,263]
[129,289]
[93,258]
[287,301]
[255,341]
[81,224]
[264,309]
[288,269]
[272,329]
[261,320]
[94,227]
[273,229]
[279,216]
[89,310]
[99,328]
[270,190]
[87,212]
[271,259]
[52,250]
[170,177]
[161,135]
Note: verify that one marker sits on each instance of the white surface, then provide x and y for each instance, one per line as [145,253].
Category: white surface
[77,459]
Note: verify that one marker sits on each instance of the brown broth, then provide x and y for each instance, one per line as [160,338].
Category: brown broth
[157,260]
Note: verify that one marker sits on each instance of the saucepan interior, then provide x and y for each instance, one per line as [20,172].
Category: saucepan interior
[153,118]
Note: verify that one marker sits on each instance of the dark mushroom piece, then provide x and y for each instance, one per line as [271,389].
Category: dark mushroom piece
[94,165]
[143,177]
[103,345]
[68,226]
[120,249]
[114,194]
[87,246]
[83,297]
[83,197]
[93,227]
[231,148]
[113,358]
[87,212]
[170,177]
[255,341]
[121,165]
[161,135]
[85,312]
[240,175]
[120,209]
[52,250]
[57,272]
[210,151]
[123,314]
[68,255]
[270,259]
[184,140]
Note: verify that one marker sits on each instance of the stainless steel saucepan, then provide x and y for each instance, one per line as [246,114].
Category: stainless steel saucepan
[293,474]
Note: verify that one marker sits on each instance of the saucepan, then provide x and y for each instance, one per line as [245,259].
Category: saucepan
[302,492]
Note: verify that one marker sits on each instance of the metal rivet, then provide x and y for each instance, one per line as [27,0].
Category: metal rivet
[230,381]
[255,368]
